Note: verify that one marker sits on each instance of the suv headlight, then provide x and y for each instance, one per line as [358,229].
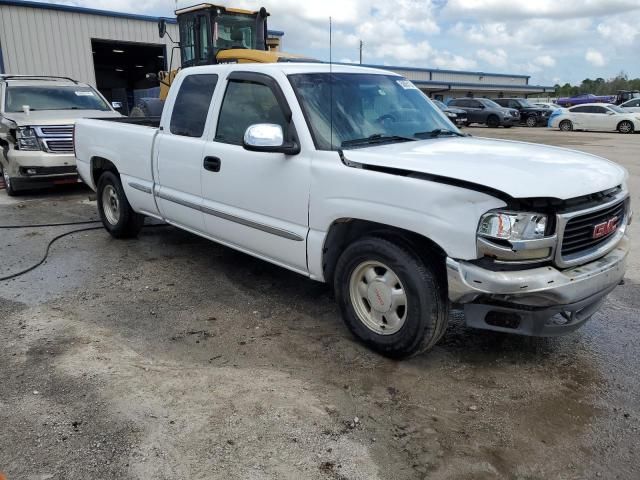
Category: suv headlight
[27,139]
[515,237]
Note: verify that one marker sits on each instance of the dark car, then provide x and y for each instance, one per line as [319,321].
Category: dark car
[530,115]
[457,116]
[485,111]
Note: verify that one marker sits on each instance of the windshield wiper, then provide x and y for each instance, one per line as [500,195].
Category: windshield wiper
[376,138]
[439,132]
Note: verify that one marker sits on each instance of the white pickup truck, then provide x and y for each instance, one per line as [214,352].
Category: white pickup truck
[352,176]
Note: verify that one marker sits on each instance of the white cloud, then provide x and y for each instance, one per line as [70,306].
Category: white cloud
[545,61]
[496,58]
[619,32]
[595,58]
[520,9]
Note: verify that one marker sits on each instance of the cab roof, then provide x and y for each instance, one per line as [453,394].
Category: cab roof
[38,80]
[289,68]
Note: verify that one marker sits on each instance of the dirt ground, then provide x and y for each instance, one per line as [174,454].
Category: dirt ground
[170,357]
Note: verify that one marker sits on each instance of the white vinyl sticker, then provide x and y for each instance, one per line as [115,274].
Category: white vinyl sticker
[406,84]
[84,94]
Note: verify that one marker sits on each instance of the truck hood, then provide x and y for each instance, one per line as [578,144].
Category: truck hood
[56,117]
[519,169]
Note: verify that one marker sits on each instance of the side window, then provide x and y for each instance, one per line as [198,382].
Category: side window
[203,37]
[192,105]
[635,103]
[580,110]
[514,104]
[472,103]
[247,103]
[455,103]
[600,110]
[187,41]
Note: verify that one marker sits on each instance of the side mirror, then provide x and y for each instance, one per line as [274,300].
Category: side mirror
[268,137]
[610,112]
[162,27]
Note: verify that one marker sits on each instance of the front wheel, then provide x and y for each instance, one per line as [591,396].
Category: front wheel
[8,185]
[531,121]
[115,212]
[493,121]
[625,127]
[389,298]
[566,125]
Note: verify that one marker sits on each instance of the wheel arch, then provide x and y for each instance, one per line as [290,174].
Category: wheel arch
[344,231]
[99,165]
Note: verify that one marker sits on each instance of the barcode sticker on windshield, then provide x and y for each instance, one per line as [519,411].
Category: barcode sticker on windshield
[406,84]
[84,94]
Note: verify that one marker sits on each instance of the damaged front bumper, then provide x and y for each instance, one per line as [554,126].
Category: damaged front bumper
[543,301]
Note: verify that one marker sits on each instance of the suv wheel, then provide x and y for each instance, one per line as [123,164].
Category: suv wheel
[389,298]
[531,121]
[493,121]
[115,212]
[8,185]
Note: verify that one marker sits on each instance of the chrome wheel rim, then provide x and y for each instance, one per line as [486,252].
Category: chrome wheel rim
[566,126]
[378,297]
[625,127]
[7,180]
[531,122]
[111,204]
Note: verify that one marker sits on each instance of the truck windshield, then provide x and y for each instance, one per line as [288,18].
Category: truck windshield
[346,109]
[52,97]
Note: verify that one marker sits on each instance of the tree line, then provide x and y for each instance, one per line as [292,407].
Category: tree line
[599,86]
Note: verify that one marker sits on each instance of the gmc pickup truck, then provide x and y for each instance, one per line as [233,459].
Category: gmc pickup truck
[37,114]
[352,176]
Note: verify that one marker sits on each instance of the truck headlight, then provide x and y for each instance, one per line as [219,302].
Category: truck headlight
[515,237]
[27,139]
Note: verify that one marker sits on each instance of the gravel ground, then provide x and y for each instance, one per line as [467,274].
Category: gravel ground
[170,357]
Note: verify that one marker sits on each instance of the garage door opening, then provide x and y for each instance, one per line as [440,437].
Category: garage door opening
[121,69]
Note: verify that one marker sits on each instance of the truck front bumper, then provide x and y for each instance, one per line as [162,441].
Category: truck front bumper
[540,301]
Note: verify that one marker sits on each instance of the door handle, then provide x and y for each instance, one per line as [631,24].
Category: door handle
[212,164]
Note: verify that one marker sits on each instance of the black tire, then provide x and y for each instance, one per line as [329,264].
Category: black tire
[125,223]
[8,185]
[466,124]
[493,121]
[147,107]
[531,121]
[625,126]
[427,306]
[565,125]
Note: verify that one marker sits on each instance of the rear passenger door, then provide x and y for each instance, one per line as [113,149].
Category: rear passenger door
[475,110]
[179,150]
[256,201]
[580,118]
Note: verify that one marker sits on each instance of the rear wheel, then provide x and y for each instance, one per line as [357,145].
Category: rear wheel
[493,121]
[531,121]
[389,298]
[115,212]
[566,125]
[625,127]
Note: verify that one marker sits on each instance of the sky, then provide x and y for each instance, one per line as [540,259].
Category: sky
[554,41]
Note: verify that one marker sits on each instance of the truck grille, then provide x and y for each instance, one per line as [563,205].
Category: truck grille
[57,131]
[60,146]
[579,231]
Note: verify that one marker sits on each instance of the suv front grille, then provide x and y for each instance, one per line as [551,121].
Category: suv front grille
[579,231]
[60,146]
[57,131]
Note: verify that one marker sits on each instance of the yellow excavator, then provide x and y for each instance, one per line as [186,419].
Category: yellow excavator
[211,34]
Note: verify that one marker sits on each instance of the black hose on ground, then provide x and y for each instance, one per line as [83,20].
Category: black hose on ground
[55,239]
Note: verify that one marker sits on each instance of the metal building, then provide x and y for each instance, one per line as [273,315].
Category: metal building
[111,51]
[445,84]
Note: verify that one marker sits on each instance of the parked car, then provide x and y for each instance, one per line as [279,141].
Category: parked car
[485,111]
[36,128]
[585,98]
[596,116]
[546,105]
[457,115]
[385,199]
[631,105]
[530,115]
[625,95]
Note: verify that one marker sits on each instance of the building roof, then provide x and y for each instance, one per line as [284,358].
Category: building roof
[104,13]
[462,72]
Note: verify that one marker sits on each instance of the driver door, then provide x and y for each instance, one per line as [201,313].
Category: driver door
[255,201]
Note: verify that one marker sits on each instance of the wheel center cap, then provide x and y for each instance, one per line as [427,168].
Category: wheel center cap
[379,296]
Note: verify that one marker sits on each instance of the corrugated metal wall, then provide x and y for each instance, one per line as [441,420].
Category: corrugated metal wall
[37,41]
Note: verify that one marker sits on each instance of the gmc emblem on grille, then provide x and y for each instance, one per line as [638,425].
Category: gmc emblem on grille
[605,228]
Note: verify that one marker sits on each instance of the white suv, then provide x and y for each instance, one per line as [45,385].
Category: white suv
[37,115]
